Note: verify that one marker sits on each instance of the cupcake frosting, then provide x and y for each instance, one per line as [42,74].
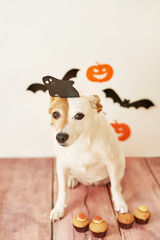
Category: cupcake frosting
[125,218]
[98,225]
[81,220]
[142,212]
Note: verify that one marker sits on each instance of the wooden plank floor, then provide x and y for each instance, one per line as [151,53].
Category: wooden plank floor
[26,198]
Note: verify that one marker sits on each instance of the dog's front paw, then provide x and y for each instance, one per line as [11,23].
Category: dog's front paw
[56,214]
[72,182]
[121,206]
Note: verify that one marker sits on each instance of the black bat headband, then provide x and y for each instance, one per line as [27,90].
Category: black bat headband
[34,87]
[60,88]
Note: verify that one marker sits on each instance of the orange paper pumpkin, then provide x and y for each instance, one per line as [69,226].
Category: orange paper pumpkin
[99,73]
[122,130]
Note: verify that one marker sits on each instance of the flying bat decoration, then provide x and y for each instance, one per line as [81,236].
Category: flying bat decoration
[38,86]
[60,88]
[110,93]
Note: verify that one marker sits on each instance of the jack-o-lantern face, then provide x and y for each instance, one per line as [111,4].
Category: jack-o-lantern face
[122,130]
[99,73]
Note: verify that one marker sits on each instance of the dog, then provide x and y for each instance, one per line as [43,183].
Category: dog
[87,149]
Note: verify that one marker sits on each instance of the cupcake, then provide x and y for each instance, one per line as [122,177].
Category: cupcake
[125,220]
[81,222]
[98,227]
[142,215]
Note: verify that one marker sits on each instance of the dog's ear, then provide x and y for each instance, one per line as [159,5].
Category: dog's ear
[52,99]
[95,103]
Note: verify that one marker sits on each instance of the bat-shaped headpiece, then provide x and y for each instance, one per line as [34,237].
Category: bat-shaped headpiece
[72,73]
[60,88]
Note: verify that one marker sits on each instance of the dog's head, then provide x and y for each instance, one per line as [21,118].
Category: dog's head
[72,117]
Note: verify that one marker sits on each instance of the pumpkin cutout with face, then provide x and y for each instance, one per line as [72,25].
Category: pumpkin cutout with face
[99,73]
[123,131]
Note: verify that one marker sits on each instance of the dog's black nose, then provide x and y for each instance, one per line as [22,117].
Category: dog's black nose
[62,137]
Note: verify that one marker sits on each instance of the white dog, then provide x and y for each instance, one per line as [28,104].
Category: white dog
[87,149]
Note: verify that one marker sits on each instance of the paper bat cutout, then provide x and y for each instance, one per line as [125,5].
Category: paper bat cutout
[110,93]
[38,86]
[70,74]
[60,88]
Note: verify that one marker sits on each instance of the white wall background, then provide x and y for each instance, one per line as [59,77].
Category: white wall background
[49,37]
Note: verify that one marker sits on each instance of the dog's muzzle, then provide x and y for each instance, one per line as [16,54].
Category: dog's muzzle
[62,137]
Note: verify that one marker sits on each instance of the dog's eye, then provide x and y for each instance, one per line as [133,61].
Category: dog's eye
[79,116]
[56,115]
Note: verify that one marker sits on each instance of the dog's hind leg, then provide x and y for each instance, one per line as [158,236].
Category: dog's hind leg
[72,181]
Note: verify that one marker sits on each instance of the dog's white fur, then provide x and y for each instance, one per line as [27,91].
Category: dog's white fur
[91,156]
